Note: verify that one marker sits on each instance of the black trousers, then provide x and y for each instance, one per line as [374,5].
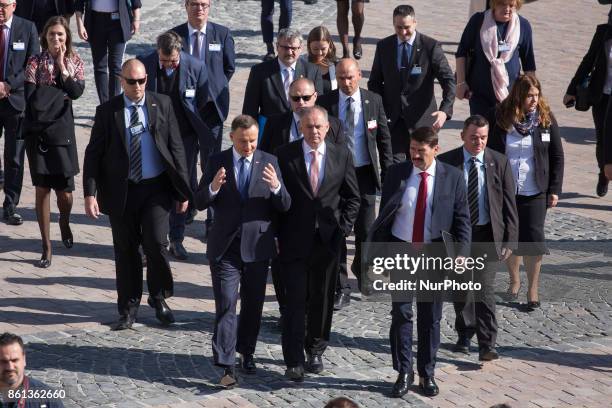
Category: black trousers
[400,141]
[267,14]
[309,289]
[477,313]
[365,219]
[233,334]
[14,153]
[214,131]
[144,221]
[277,281]
[177,221]
[107,48]
[602,112]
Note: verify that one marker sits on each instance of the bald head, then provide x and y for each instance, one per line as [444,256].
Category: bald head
[348,75]
[133,79]
[302,94]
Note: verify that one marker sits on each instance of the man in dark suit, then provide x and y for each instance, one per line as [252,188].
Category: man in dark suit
[18,41]
[284,128]
[494,219]
[319,177]
[403,73]
[421,197]
[39,11]
[213,44]
[134,171]
[245,187]
[185,80]
[267,89]
[366,131]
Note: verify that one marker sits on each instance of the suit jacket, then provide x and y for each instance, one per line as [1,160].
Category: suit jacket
[192,75]
[106,165]
[339,185]
[125,16]
[377,138]
[253,217]
[413,99]
[449,208]
[595,62]
[501,192]
[265,93]
[25,9]
[220,65]
[548,156]
[277,132]
[22,31]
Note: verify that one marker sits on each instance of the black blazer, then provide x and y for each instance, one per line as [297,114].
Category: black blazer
[192,75]
[548,156]
[22,31]
[25,9]
[265,93]
[106,165]
[277,132]
[221,65]
[449,208]
[125,16]
[252,217]
[413,100]
[501,192]
[595,62]
[339,185]
[378,137]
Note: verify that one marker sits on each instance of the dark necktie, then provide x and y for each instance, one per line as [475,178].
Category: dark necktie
[2,55]
[349,124]
[473,191]
[418,227]
[243,179]
[135,150]
[406,52]
[197,45]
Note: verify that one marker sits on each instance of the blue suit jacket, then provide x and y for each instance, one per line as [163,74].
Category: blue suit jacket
[449,208]
[220,64]
[253,217]
[192,75]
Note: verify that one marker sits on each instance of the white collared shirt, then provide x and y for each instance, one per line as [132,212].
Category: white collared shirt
[519,150]
[284,73]
[400,45]
[404,217]
[295,134]
[361,156]
[321,150]
[191,31]
[608,84]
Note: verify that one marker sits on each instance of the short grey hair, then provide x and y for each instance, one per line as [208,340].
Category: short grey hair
[168,42]
[312,109]
[289,34]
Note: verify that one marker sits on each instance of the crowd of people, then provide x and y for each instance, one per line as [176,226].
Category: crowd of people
[310,152]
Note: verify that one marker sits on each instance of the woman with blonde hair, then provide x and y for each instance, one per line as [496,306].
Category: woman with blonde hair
[525,130]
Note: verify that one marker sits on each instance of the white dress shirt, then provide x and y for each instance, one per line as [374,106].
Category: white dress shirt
[192,31]
[295,129]
[404,217]
[321,150]
[608,84]
[519,150]
[284,74]
[361,156]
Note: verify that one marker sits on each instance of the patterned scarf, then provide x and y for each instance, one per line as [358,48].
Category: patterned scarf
[531,120]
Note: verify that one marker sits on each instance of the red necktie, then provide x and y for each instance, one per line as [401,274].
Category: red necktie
[2,56]
[418,228]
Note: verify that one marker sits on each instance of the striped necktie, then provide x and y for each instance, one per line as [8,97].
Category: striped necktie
[135,150]
[473,191]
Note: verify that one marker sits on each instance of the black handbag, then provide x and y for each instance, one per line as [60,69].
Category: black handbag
[583,100]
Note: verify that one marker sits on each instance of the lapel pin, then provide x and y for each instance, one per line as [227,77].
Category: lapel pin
[366,101]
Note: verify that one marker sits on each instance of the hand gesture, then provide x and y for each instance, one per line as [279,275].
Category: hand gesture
[269,176]
[440,119]
[91,207]
[218,180]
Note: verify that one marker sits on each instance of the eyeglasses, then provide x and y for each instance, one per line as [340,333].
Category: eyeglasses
[203,6]
[133,81]
[289,48]
[305,98]
[5,6]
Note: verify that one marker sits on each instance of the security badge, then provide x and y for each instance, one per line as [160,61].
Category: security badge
[214,47]
[416,70]
[115,16]
[18,46]
[545,135]
[503,46]
[372,124]
[189,93]
[137,129]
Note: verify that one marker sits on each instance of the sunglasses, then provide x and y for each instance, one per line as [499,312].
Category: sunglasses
[305,98]
[132,81]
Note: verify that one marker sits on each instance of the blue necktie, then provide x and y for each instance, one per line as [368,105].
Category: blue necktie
[243,179]
[406,52]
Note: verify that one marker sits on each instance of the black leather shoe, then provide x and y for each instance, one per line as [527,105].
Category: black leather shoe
[162,310]
[229,379]
[125,322]
[462,346]
[178,251]
[45,261]
[66,232]
[248,364]
[429,387]
[314,364]
[295,373]
[402,384]
[310,1]
[357,50]
[191,214]
[602,185]
[11,217]
[341,300]
[487,354]
[532,306]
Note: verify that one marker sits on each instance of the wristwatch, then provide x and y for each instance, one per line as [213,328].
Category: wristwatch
[65,73]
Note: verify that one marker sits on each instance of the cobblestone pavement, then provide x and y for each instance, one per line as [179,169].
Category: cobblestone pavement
[558,356]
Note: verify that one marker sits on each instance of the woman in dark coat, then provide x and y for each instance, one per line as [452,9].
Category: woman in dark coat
[52,151]
[527,133]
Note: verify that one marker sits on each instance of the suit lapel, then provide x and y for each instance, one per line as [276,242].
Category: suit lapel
[152,74]
[329,168]
[393,58]
[256,170]
[286,128]
[438,189]
[152,109]
[299,166]
[489,166]
[210,34]
[15,35]
[417,46]
[119,115]
[230,176]
[277,81]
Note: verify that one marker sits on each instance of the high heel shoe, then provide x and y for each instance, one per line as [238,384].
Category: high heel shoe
[513,296]
[533,305]
[67,238]
[45,261]
[357,50]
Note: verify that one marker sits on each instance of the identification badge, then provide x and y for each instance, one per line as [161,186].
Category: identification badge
[416,70]
[545,136]
[214,47]
[503,46]
[137,129]
[18,46]
[189,93]
[114,16]
[372,124]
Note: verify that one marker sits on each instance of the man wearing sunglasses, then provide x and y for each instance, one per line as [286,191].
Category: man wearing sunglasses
[134,171]
[365,127]
[267,90]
